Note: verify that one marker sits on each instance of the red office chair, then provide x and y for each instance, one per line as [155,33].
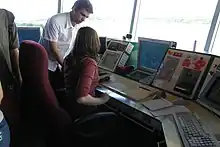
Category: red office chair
[39,106]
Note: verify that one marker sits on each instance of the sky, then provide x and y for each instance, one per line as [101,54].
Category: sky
[178,8]
[42,9]
[116,14]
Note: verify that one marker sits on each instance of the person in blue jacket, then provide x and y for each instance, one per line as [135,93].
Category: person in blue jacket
[4,129]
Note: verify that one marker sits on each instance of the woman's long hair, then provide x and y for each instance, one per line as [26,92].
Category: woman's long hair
[87,44]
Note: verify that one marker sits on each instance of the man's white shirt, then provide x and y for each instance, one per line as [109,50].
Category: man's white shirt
[58,29]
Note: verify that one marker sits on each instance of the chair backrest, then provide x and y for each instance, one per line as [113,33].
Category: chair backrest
[39,105]
[34,71]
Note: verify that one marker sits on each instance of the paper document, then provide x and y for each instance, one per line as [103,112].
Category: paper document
[157,104]
[170,110]
[138,94]
[129,48]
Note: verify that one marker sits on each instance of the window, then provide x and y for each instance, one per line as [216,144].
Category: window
[111,18]
[214,47]
[183,21]
[31,12]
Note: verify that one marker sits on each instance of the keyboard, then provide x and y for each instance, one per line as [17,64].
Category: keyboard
[192,132]
[142,77]
[137,75]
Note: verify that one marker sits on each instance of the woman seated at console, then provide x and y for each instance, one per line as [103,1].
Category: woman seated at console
[81,75]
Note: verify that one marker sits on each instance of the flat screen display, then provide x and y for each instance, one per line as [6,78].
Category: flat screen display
[151,54]
[187,81]
[214,92]
[110,60]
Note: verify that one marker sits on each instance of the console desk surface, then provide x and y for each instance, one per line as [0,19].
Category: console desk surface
[128,88]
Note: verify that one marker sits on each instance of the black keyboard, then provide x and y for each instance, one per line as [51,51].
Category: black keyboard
[193,133]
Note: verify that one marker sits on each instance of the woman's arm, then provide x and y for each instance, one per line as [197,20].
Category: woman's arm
[85,82]
[90,100]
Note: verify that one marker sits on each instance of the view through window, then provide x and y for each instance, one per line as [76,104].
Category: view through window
[30,12]
[111,18]
[215,47]
[183,21]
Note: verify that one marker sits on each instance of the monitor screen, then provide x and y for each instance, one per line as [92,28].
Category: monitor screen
[187,81]
[213,93]
[210,94]
[29,33]
[109,60]
[151,54]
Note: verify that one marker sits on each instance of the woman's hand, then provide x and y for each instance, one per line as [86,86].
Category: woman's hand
[1,91]
[105,97]
[90,100]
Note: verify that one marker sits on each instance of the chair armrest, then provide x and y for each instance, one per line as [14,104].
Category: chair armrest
[99,115]
[95,125]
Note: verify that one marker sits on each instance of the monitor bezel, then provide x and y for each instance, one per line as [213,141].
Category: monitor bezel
[119,42]
[140,51]
[200,84]
[119,53]
[203,96]
[105,44]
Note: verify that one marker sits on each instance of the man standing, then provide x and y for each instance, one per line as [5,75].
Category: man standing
[58,37]
[9,53]
[9,69]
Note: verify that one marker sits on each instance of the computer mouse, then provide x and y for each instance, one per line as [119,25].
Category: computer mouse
[105,79]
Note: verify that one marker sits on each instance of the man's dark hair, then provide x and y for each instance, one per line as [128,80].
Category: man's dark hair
[83,4]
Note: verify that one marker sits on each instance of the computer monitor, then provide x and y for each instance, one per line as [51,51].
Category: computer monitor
[117,45]
[183,72]
[29,33]
[210,96]
[103,41]
[211,72]
[151,53]
[110,59]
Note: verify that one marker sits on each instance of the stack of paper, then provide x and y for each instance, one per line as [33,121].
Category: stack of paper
[157,104]
[160,107]
[138,94]
[170,110]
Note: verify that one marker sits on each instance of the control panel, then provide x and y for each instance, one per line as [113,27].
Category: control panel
[181,72]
